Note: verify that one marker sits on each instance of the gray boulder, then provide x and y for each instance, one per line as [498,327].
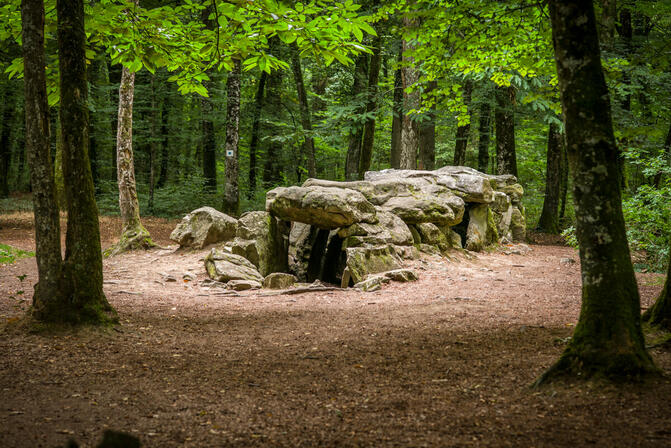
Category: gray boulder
[243,285]
[279,280]
[363,261]
[518,225]
[326,208]
[223,266]
[390,230]
[430,234]
[204,226]
[263,240]
[481,228]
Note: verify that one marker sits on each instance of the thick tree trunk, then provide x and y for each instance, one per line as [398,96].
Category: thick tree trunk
[427,134]
[48,294]
[506,158]
[409,127]
[133,233]
[607,341]
[231,204]
[254,140]
[371,105]
[549,220]
[5,137]
[463,132]
[83,275]
[485,131]
[397,120]
[660,313]
[356,132]
[306,121]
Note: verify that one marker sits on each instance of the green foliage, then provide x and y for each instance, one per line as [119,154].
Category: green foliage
[9,254]
[570,237]
[647,216]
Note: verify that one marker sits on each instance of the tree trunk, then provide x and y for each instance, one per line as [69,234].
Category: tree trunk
[209,155]
[506,159]
[83,274]
[5,138]
[549,220]
[485,131]
[463,131]
[153,146]
[427,134]
[271,166]
[371,105]
[133,233]
[356,132]
[608,16]
[48,295]
[254,140]
[660,313]
[306,122]
[165,141]
[607,341]
[563,179]
[397,120]
[231,204]
[409,127]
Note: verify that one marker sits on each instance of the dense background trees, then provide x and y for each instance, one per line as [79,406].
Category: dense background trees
[331,90]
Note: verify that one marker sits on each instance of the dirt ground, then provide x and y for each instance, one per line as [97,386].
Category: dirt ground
[445,361]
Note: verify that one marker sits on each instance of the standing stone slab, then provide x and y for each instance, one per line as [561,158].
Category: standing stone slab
[223,267]
[204,226]
[481,228]
[264,241]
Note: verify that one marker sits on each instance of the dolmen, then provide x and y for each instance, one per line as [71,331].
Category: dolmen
[352,233]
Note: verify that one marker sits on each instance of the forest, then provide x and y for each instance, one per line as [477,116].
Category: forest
[335,222]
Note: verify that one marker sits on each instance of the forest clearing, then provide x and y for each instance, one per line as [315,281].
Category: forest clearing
[335,223]
[445,361]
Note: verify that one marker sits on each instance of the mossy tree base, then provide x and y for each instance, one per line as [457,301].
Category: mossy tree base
[659,315]
[137,238]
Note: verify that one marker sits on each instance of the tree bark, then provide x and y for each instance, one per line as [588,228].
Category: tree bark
[356,132]
[48,293]
[5,137]
[82,268]
[485,131]
[371,105]
[271,166]
[607,341]
[397,120]
[461,140]
[306,121]
[165,142]
[231,204]
[409,127]
[254,140]
[427,133]
[133,233]
[563,179]
[608,16]
[153,146]
[209,144]
[506,159]
[549,220]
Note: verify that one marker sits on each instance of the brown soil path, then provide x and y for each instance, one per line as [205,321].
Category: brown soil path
[445,361]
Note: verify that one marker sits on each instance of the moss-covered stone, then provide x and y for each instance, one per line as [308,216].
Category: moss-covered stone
[363,261]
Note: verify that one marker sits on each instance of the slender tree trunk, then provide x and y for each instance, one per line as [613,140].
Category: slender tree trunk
[271,166]
[409,127]
[5,138]
[356,133]
[83,275]
[608,16]
[549,220]
[607,341]
[231,204]
[427,133]
[397,120]
[306,121]
[371,105]
[209,154]
[153,146]
[563,179]
[627,33]
[485,131]
[48,293]
[463,131]
[133,233]
[505,131]
[165,141]
[254,140]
